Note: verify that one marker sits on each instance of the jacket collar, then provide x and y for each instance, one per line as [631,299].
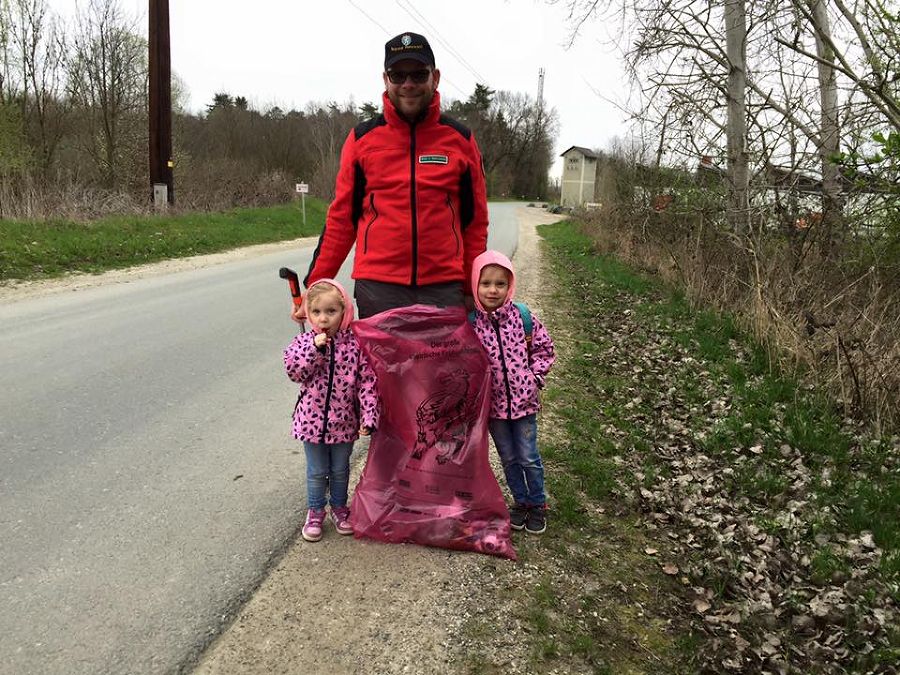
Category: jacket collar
[501,313]
[432,114]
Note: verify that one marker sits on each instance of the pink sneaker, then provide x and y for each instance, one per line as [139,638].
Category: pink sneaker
[341,519]
[312,530]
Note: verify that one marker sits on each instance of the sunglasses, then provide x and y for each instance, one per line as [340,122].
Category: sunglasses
[417,76]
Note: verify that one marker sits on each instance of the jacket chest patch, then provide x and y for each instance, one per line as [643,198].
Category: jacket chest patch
[433,159]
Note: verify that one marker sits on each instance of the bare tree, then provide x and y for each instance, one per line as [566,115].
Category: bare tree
[327,128]
[870,29]
[7,86]
[821,90]
[691,77]
[515,136]
[37,41]
[830,145]
[738,167]
[108,77]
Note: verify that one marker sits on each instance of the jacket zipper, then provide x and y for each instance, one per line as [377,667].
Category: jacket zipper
[370,223]
[412,199]
[453,222]
[496,325]
[328,391]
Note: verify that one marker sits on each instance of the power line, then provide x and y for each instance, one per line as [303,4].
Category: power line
[418,16]
[388,33]
[363,12]
[453,51]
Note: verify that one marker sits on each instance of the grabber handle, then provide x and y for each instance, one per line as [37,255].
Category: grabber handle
[293,282]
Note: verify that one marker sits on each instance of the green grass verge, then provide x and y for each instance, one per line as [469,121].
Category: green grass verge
[861,491]
[605,417]
[42,249]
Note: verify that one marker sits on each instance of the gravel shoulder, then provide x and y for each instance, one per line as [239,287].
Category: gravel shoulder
[353,606]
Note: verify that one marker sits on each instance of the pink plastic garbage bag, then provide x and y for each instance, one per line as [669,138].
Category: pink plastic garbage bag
[427,478]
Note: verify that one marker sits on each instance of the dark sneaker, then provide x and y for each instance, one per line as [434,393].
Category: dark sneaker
[517,516]
[536,521]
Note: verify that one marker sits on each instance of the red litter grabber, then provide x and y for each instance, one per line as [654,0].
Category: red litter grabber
[294,282]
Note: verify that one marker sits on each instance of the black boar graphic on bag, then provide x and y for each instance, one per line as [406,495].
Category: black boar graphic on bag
[442,419]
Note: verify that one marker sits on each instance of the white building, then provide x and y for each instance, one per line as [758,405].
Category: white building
[579,176]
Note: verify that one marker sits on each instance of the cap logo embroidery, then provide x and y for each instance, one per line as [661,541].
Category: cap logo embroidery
[433,159]
[406,40]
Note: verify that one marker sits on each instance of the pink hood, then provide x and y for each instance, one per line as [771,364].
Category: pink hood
[490,257]
[348,303]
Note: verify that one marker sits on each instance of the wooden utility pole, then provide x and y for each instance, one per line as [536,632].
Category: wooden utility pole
[160,62]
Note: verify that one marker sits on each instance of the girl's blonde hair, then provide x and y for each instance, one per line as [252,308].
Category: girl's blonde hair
[318,290]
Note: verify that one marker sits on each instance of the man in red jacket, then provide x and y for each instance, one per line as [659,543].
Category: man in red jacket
[410,193]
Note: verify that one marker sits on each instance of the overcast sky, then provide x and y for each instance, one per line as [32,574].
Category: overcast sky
[290,52]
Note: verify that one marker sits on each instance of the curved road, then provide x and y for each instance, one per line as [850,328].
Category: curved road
[147,474]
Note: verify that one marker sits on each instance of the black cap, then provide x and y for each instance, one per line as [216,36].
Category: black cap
[408,46]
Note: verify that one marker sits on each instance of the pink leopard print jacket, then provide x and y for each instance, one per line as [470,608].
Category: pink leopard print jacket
[337,389]
[516,375]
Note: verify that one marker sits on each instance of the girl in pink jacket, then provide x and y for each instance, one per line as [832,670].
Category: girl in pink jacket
[519,364]
[337,402]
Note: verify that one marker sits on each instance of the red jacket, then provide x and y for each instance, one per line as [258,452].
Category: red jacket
[412,198]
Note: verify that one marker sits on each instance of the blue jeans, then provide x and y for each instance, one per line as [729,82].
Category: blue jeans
[327,470]
[516,442]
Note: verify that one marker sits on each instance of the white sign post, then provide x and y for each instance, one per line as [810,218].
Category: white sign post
[303,188]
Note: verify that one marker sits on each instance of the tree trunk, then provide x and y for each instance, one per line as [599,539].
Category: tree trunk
[738,168]
[832,195]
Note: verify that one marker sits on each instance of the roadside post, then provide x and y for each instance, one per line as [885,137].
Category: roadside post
[303,188]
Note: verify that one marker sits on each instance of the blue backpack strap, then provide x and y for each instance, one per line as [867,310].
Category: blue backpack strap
[472,317]
[526,320]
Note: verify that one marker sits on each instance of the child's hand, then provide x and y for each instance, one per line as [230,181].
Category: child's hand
[320,340]
[364,431]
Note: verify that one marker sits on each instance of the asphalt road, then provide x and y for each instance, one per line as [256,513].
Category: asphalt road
[147,475]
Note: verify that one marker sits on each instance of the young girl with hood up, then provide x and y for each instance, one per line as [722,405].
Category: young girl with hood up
[519,364]
[338,401]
